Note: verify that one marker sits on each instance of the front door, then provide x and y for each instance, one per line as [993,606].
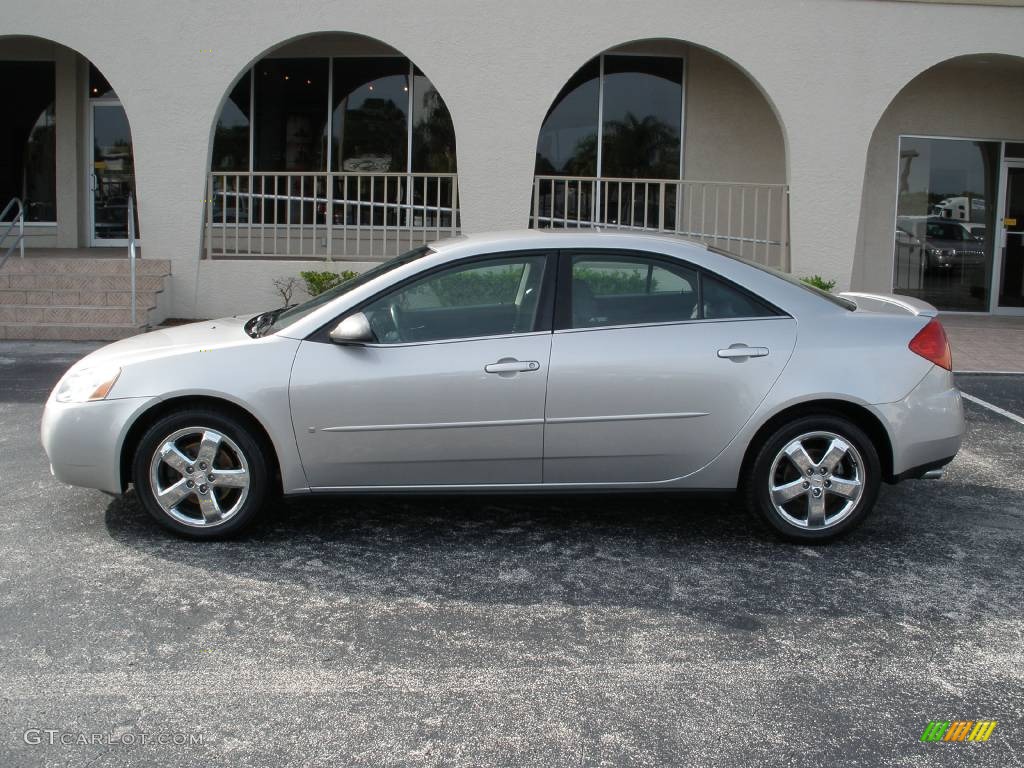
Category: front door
[451,393]
[1011,282]
[112,175]
[655,369]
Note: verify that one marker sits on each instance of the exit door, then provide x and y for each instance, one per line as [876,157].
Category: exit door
[111,175]
[1011,282]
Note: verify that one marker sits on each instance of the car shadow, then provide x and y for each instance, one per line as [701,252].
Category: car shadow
[701,556]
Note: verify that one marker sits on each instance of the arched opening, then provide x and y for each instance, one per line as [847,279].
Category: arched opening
[665,136]
[942,214]
[331,146]
[62,113]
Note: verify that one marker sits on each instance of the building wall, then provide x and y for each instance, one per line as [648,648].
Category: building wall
[828,69]
[969,99]
[731,132]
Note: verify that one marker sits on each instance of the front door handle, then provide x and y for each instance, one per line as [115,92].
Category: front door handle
[742,351]
[511,365]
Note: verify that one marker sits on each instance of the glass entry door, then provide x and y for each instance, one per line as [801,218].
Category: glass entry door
[1011,283]
[112,175]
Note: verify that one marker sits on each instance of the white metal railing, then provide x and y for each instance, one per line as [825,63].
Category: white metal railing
[327,215]
[19,221]
[132,252]
[751,220]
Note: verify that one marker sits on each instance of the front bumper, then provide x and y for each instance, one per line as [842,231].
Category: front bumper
[83,440]
[927,426]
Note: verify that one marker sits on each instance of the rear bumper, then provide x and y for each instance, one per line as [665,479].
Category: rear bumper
[926,427]
[929,471]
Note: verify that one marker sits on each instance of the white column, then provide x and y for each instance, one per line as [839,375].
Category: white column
[827,155]
[69,164]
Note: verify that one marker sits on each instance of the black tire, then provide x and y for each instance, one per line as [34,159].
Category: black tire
[757,483]
[242,509]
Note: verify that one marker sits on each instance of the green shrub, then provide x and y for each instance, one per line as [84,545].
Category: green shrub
[606,282]
[318,282]
[478,287]
[819,282]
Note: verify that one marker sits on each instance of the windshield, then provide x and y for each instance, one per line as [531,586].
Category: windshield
[838,300]
[288,316]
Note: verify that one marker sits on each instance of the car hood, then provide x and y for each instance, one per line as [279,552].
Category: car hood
[164,342]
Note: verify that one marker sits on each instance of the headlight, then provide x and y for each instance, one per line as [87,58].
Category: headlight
[86,384]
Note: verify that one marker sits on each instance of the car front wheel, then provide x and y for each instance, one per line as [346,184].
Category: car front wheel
[201,474]
[814,478]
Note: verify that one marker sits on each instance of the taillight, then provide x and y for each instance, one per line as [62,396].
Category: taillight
[931,344]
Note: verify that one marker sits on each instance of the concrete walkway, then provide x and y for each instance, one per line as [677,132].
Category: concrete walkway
[985,342]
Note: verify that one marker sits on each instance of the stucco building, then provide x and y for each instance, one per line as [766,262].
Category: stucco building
[877,143]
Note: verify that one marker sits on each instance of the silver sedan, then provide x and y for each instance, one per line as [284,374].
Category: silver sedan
[524,361]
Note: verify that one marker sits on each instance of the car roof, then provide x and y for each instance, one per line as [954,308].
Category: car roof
[526,239]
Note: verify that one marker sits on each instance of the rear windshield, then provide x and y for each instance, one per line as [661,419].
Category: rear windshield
[837,300]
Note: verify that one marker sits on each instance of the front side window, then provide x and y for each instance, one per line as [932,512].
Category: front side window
[484,298]
[276,320]
[634,290]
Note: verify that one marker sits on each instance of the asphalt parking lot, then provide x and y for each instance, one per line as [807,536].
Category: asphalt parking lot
[615,630]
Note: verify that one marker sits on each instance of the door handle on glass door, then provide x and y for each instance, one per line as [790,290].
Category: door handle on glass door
[741,352]
[511,365]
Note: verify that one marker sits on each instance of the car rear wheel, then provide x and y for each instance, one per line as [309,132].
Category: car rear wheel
[814,478]
[201,474]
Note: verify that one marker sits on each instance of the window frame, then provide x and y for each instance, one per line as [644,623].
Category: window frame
[543,322]
[563,298]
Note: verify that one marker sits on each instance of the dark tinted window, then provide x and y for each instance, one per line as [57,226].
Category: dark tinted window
[290,115]
[28,164]
[642,114]
[722,301]
[371,113]
[433,134]
[231,139]
[568,137]
[629,290]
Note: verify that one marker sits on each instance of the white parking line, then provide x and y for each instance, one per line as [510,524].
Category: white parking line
[995,408]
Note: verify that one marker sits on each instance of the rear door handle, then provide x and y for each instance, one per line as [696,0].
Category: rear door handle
[742,351]
[512,366]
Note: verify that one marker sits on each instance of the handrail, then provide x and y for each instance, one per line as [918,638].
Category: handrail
[325,214]
[131,248]
[751,218]
[20,221]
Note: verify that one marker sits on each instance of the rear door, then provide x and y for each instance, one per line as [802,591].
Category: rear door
[655,366]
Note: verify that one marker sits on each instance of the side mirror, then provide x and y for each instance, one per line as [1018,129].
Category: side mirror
[354,329]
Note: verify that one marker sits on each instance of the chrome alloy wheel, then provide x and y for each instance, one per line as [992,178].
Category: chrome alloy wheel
[816,480]
[199,476]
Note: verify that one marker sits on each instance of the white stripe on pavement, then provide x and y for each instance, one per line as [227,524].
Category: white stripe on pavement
[995,408]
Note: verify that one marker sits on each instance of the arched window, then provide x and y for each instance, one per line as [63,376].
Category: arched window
[331,155]
[619,116]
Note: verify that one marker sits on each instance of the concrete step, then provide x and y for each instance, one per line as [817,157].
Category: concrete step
[79,298]
[84,266]
[79,282]
[29,313]
[67,332]
[72,298]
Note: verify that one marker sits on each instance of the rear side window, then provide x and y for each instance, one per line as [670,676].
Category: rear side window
[624,290]
[634,290]
[722,301]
